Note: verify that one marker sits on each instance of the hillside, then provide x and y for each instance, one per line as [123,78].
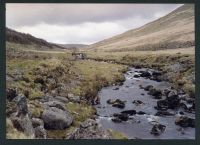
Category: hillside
[22,38]
[175,30]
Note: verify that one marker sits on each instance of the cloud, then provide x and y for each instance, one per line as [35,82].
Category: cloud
[81,23]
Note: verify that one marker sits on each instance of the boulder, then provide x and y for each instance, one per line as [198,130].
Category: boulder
[56,104]
[157,129]
[116,103]
[136,76]
[173,100]
[162,105]
[148,88]
[156,93]
[156,73]
[137,102]
[56,119]
[89,129]
[121,116]
[23,123]
[21,102]
[145,74]
[185,121]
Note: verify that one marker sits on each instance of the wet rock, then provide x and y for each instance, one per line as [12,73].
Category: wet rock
[185,121]
[145,74]
[173,100]
[56,104]
[116,120]
[162,105]
[166,92]
[141,113]
[164,113]
[116,88]
[89,129]
[148,88]
[137,102]
[156,93]
[11,94]
[119,105]
[136,76]
[157,129]
[156,73]
[129,112]
[57,119]
[116,103]
[121,116]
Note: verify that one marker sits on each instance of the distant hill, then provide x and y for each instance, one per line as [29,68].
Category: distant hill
[23,38]
[175,30]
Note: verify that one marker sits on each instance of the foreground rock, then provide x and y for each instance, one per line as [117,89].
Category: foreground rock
[157,129]
[56,119]
[89,129]
[185,121]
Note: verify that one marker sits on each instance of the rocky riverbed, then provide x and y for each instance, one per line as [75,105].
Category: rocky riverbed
[146,107]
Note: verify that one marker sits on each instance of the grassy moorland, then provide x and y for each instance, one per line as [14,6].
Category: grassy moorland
[37,74]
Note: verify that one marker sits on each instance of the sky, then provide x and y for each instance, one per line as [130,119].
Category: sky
[81,23]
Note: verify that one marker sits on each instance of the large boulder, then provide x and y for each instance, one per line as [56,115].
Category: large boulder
[56,119]
[89,129]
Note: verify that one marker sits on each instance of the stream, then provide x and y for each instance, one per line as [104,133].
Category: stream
[139,125]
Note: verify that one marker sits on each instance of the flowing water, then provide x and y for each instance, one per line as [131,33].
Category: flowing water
[140,125]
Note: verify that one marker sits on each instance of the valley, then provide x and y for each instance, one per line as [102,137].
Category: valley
[137,85]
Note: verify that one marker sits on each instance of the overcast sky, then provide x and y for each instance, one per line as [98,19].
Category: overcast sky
[81,23]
